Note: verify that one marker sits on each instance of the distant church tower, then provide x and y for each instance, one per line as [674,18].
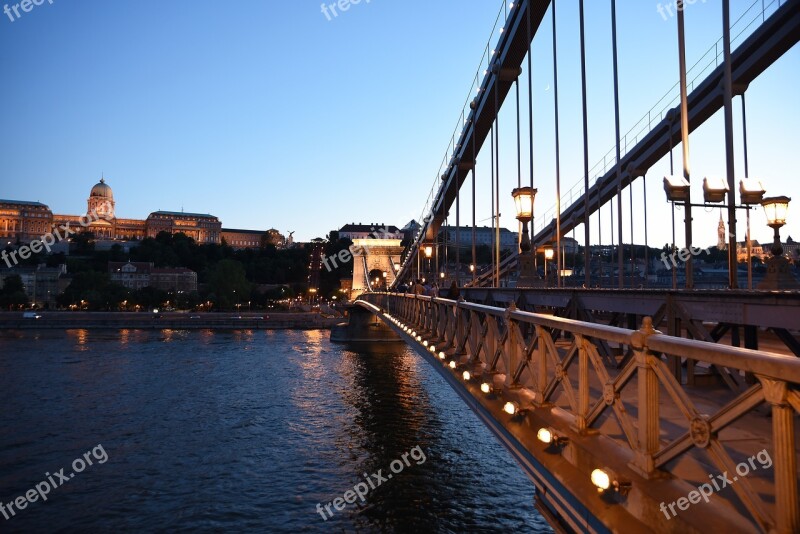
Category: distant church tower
[721,233]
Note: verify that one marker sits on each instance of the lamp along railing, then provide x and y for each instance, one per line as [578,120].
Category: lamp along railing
[549,362]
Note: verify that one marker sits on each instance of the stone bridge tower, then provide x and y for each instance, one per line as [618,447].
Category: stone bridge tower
[374,259]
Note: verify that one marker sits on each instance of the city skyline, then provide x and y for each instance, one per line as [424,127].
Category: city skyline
[223,125]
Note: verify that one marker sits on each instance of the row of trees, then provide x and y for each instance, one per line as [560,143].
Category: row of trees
[226,277]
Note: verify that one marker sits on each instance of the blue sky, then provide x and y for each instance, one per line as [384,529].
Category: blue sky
[268,114]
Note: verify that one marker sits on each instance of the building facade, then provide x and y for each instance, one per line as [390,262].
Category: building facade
[136,275]
[484,235]
[355,231]
[42,284]
[23,222]
[240,239]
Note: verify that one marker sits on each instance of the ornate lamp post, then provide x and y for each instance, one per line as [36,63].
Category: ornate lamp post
[427,250]
[523,201]
[549,253]
[778,274]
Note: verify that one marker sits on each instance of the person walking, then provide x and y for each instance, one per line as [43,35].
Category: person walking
[453,293]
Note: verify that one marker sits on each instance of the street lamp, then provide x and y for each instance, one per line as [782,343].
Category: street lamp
[548,255]
[775,209]
[778,274]
[523,202]
[428,250]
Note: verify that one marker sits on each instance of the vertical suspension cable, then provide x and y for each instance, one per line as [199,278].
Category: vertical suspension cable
[733,280]
[530,126]
[599,236]
[674,267]
[633,253]
[497,178]
[558,154]
[474,264]
[685,141]
[621,252]
[646,245]
[491,183]
[748,243]
[519,163]
[519,140]
[458,230]
[587,237]
[445,243]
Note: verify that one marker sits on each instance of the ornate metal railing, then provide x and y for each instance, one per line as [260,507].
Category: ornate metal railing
[651,416]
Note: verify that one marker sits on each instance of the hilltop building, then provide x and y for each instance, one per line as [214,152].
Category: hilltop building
[24,221]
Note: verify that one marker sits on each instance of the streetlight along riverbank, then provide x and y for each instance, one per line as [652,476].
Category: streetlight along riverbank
[179,321]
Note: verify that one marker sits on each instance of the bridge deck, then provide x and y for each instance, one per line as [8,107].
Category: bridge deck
[731,429]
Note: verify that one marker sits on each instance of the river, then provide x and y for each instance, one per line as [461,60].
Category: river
[244,431]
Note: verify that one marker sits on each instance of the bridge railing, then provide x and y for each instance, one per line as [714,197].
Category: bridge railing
[553,365]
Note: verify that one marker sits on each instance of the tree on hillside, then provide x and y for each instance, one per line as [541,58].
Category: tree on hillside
[228,283]
[95,289]
[13,294]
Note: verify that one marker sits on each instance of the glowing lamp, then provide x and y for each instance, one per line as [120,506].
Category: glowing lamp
[776,209]
[523,202]
[544,435]
[511,408]
[601,480]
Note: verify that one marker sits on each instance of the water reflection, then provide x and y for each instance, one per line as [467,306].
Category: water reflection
[244,431]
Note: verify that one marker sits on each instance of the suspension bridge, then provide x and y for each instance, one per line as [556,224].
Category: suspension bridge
[631,408]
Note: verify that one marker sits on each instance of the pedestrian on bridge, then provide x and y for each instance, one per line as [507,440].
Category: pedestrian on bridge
[419,289]
[453,293]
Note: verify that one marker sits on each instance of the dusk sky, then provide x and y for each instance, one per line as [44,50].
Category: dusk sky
[274,114]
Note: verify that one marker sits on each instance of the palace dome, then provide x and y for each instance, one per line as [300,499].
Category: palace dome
[102,190]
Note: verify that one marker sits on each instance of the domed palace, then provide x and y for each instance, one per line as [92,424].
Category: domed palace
[24,221]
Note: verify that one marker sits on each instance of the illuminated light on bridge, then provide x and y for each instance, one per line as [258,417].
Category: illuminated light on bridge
[511,408]
[466,376]
[601,480]
[605,480]
[453,364]
[442,355]
[486,388]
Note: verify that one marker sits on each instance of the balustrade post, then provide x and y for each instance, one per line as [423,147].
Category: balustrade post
[460,328]
[648,415]
[787,506]
[583,383]
[511,349]
[541,363]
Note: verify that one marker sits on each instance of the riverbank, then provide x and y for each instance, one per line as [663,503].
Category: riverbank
[176,321]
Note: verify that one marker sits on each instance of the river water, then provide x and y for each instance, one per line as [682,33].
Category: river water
[242,431]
